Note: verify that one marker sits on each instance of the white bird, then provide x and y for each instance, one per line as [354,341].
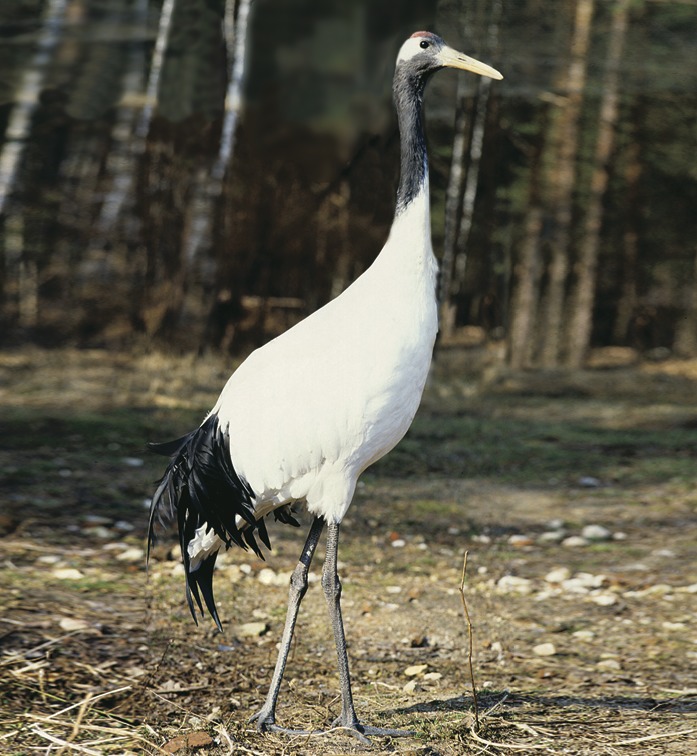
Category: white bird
[307,413]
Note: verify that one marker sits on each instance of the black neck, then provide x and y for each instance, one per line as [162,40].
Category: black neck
[408,89]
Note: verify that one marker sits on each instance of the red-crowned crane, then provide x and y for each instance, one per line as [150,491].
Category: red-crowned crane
[307,413]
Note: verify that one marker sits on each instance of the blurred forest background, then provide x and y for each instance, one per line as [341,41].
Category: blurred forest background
[201,174]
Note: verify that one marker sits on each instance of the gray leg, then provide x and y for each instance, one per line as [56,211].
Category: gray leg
[266,718]
[332,592]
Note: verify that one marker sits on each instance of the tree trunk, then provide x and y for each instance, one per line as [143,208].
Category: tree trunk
[19,121]
[121,160]
[454,260]
[208,187]
[629,295]
[528,267]
[583,297]
[452,204]
[21,270]
[685,342]
[562,181]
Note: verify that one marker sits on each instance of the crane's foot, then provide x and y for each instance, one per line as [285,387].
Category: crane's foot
[266,722]
[363,733]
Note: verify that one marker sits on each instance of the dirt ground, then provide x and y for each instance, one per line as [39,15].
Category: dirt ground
[574,496]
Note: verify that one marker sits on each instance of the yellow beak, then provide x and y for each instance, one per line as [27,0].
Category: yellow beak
[454,59]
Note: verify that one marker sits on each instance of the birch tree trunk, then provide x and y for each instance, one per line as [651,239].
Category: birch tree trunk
[28,92]
[583,296]
[562,181]
[452,205]
[126,147]
[208,186]
[456,236]
[21,269]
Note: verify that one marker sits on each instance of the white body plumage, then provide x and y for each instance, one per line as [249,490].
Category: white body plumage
[308,412]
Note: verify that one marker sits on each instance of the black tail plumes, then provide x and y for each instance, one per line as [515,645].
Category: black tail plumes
[202,487]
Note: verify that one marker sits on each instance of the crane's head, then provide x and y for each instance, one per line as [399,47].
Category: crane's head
[426,53]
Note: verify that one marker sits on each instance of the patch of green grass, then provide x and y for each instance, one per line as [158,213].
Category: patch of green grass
[499,444]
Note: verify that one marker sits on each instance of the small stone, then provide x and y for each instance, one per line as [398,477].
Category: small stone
[453,531]
[419,641]
[558,575]
[619,536]
[635,567]
[482,538]
[544,649]
[596,533]
[520,541]
[588,481]
[687,588]
[574,541]
[411,687]
[673,625]
[604,599]
[115,546]
[433,676]
[70,624]
[267,576]
[67,573]
[124,527]
[97,531]
[659,589]
[132,461]
[394,589]
[611,665]
[667,553]
[584,635]
[233,573]
[250,629]
[514,584]
[189,742]
[415,670]
[131,554]
[555,524]
[551,536]
[399,543]
[583,582]
[92,519]
[49,559]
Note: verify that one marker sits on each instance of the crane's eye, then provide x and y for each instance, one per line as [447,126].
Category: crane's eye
[424,44]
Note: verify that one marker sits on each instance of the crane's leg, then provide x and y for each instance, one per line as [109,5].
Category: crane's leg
[266,718]
[332,592]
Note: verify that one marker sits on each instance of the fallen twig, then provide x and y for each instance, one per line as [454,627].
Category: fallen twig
[510,746]
[118,732]
[89,698]
[470,643]
[658,736]
[64,743]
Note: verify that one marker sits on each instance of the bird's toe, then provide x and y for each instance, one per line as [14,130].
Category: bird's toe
[264,719]
[363,733]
